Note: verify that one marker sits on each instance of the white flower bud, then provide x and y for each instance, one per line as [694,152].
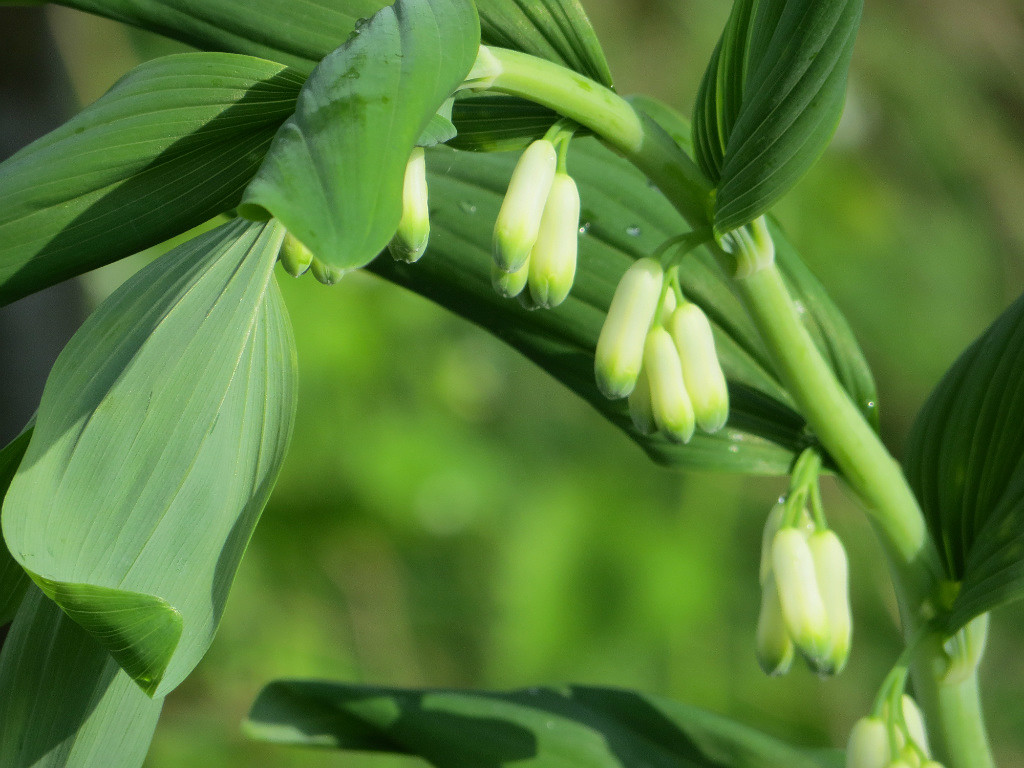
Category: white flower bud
[914,721]
[832,572]
[868,746]
[775,649]
[802,606]
[670,405]
[640,408]
[620,347]
[553,258]
[410,241]
[771,527]
[509,284]
[702,372]
[295,257]
[515,231]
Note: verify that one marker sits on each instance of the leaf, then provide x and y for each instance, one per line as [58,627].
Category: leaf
[63,701]
[965,462]
[623,219]
[557,30]
[171,145]
[159,436]
[440,128]
[334,174]
[13,579]
[498,123]
[575,726]
[770,100]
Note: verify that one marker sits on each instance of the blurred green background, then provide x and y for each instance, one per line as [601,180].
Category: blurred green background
[448,516]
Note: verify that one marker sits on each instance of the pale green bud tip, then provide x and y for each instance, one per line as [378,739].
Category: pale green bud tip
[832,572]
[802,606]
[410,240]
[640,409]
[509,284]
[553,258]
[515,231]
[868,746]
[775,649]
[325,273]
[670,405]
[620,347]
[771,527]
[295,257]
[914,721]
[705,381]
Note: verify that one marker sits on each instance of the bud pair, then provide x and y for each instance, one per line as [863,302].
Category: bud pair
[550,267]
[410,240]
[519,220]
[890,741]
[297,259]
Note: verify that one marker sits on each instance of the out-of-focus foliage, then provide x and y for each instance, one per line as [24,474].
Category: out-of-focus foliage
[448,516]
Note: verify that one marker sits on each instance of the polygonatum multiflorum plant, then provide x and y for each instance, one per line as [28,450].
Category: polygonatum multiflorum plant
[335,135]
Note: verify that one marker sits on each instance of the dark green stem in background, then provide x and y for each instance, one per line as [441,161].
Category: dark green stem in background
[863,460]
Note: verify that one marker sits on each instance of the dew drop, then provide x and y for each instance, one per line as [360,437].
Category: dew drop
[734,449]
[800,308]
[585,227]
[467,207]
[871,404]
[633,231]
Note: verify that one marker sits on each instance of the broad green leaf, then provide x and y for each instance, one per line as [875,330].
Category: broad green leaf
[334,174]
[171,145]
[623,218]
[498,123]
[159,436]
[64,703]
[577,726]
[770,100]
[965,461]
[13,579]
[300,36]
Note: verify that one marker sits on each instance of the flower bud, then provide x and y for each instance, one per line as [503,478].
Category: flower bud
[410,241]
[620,347]
[509,284]
[325,273]
[705,382]
[670,405]
[868,746]
[515,231]
[668,306]
[911,757]
[640,408]
[553,258]
[771,527]
[832,572]
[802,606]
[295,257]
[914,721]
[774,646]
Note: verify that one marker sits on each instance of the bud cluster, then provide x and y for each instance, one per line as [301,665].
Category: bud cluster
[297,259]
[805,604]
[535,236]
[893,738]
[658,350]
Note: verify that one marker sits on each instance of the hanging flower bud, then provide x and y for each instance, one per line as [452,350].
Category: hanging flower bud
[620,347]
[509,284]
[295,257]
[868,746]
[702,372]
[519,218]
[914,721]
[771,527]
[640,408]
[553,258]
[325,273]
[802,606]
[775,649]
[410,241]
[832,572]
[670,405]
[668,306]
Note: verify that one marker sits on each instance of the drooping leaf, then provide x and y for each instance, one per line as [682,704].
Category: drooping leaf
[334,174]
[171,145]
[576,726]
[159,436]
[623,218]
[64,703]
[965,461]
[13,579]
[770,100]
[300,36]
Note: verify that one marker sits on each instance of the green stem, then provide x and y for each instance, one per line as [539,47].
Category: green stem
[840,426]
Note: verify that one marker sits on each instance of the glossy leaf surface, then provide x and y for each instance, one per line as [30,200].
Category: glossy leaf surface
[159,436]
[334,174]
[171,145]
[623,218]
[965,462]
[64,703]
[770,100]
[576,726]
[13,579]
